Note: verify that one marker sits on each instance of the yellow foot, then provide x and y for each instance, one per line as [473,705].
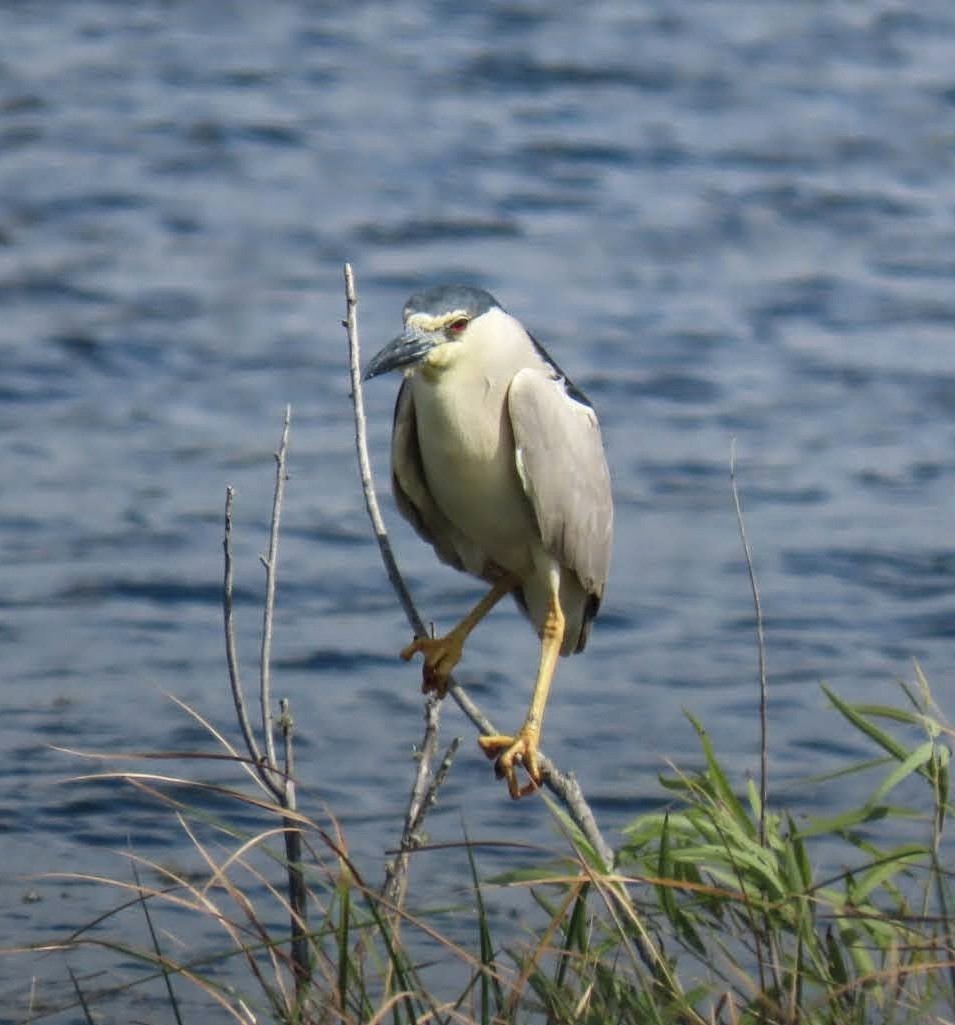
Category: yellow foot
[441,655]
[508,753]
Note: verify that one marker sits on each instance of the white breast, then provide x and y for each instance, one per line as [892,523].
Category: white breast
[467,449]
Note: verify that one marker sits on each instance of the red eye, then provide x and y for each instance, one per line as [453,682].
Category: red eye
[457,326]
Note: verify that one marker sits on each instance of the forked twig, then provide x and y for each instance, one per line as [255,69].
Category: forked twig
[563,785]
[424,793]
[232,658]
[277,778]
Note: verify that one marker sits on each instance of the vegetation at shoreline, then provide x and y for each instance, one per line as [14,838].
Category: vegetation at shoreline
[700,920]
[722,908]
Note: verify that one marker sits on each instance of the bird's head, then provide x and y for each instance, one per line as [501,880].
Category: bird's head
[438,324]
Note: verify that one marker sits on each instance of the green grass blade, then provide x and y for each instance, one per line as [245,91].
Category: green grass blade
[575,935]
[81,997]
[943,758]
[344,960]
[154,939]
[489,975]
[838,824]
[718,777]
[883,739]
[893,863]
[915,762]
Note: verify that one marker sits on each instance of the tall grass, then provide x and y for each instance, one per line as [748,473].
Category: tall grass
[698,921]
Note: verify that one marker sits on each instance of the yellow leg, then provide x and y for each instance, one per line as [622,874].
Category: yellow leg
[522,749]
[442,654]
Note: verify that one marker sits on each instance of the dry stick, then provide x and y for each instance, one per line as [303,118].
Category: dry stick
[396,873]
[278,781]
[364,463]
[761,652]
[563,785]
[297,892]
[270,563]
[293,835]
[423,797]
[232,658]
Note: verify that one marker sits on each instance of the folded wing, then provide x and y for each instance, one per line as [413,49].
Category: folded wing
[562,466]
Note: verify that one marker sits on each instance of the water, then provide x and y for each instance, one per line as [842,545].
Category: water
[726,221]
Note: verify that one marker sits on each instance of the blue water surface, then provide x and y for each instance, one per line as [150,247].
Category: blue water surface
[729,220]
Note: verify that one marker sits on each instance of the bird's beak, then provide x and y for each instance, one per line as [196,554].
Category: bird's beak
[403,351]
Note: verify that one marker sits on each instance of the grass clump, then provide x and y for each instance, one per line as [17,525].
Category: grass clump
[715,911]
[738,893]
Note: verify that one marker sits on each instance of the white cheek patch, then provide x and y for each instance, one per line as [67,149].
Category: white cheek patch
[441,355]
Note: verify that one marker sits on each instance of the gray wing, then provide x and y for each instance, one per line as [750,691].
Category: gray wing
[411,491]
[561,463]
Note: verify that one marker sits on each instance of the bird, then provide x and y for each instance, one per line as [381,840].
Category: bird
[498,462]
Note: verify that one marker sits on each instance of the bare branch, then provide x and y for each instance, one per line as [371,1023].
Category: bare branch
[761,652]
[270,562]
[232,658]
[286,724]
[564,786]
[297,890]
[423,795]
[364,463]
[443,769]
[279,781]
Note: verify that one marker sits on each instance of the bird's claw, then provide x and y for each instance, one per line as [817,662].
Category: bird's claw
[508,753]
[441,655]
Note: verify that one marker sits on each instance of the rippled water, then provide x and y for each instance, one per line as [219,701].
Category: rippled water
[726,220]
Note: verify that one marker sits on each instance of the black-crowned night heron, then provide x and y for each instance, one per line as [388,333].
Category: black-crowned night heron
[497,461]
